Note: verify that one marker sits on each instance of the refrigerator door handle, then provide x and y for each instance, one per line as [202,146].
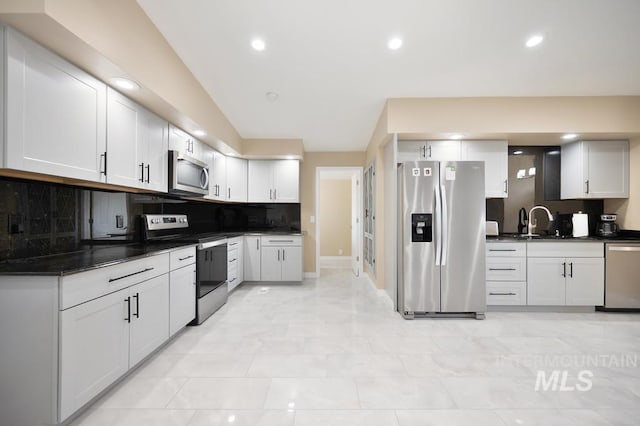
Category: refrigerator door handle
[445,236]
[437,219]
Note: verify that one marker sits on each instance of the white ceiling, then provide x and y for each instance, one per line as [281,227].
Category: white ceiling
[329,62]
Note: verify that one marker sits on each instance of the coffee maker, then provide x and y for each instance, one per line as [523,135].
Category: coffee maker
[607,227]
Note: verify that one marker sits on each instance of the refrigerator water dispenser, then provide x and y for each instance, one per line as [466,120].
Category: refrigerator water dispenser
[421,228]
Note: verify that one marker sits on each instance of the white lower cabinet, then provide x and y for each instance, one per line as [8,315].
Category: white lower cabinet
[574,280]
[506,273]
[182,297]
[103,338]
[94,349]
[149,317]
[281,258]
[235,269]
[252,258]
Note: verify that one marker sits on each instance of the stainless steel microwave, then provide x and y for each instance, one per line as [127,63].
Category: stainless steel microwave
[187,176]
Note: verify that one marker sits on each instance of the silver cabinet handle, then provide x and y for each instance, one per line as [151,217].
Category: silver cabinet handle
[275,194]
[103,155]
[502,249]
[502,269]
[257,244]
[278,255]
[280,241]
[130,275]
[229,189]
[502,294]
[185,258]
[271,194]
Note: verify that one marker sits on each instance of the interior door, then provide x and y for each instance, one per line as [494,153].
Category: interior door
[355,225]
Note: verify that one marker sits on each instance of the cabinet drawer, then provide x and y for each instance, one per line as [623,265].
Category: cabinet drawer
[84,286]
[281,240]
[234,243]
[506,269]
[506,293]
[182,257]
[565,249]
[506,249]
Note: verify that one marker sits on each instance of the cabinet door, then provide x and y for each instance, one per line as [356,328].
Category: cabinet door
[545,281]
[411,151]
[181,141]
[156,152]
[55,114]
[260,181]
[286,181]
[236,179]
[443,150]
[271,260]
[94,349]
[125,144]
[149,317]
[585,281]
[607,169]
[292,264]
[182,297]
[251,258]
[495,157]
[219,176]
[572,171]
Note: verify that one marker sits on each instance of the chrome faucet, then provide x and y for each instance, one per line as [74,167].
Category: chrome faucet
[532,223]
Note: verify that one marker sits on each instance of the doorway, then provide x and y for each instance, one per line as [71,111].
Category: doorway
[339,218]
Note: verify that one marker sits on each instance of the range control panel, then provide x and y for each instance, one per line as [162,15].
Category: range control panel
[155,222]
[421,227]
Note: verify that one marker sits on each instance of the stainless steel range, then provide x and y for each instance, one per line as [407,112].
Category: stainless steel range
[211,261]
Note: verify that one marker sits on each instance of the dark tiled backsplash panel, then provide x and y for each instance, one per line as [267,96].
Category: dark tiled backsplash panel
[38,219]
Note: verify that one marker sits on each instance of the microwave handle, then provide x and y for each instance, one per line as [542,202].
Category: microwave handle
[206,178]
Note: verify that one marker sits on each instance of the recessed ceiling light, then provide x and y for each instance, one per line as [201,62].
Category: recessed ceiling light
[395,43]
[568,136]
[199,133]
[456,136]
[534,40]
[258,44]
[272,96]
[289,157]
[517,152]
[125,83]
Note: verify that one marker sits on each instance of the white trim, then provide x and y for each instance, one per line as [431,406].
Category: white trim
[311,275]
[381,292]
[359,172]
[335,262]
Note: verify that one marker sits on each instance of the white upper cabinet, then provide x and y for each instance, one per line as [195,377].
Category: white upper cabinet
[236,179]
[55,114]
[218,171]
[448,150]
[595,169]
[273,181]
[185,144]
[496,166]
[136,145]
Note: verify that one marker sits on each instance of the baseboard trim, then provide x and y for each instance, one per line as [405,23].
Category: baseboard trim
[335,262]
[311,275]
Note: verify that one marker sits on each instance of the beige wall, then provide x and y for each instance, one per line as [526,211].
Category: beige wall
[334,217]
[628,210]
[273,148]
[312,160]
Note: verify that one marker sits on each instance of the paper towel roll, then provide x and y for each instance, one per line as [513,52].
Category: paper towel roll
[580,224]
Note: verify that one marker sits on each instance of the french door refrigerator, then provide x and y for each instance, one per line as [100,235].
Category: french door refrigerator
[441,239]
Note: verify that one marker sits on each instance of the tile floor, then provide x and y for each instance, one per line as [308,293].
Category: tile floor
[331,352]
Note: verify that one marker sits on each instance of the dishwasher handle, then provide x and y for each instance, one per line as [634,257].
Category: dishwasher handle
[624,248]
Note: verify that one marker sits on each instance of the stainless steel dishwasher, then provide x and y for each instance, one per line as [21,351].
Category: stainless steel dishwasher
[622,276]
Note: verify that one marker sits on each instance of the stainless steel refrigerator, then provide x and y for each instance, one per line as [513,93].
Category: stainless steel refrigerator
[441,239]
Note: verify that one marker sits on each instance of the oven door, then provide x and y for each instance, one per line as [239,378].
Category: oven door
[211,267]
[188,176]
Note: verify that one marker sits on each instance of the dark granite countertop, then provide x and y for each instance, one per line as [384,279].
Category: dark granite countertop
[84,259]
[552,238]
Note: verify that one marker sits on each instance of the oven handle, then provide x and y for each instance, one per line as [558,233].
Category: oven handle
[222,241]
